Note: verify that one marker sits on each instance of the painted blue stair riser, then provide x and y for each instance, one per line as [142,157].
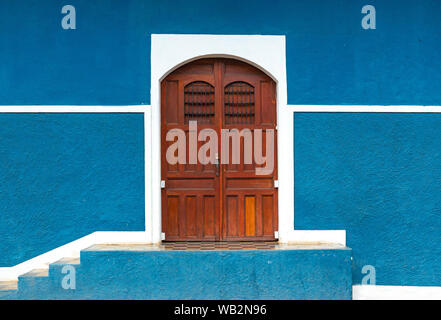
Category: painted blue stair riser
[266,274]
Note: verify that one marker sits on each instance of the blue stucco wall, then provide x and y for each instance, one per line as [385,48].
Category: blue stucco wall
[330,58]
[379,177]
[63,176]
[374,175]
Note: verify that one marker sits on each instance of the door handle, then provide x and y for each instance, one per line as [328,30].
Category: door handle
[216,162]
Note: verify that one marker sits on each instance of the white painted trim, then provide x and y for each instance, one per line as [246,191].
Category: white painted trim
[365,108]
[148,144]
[292,107]
[74,109]
[152,221]
[368,292]
[71,249]
[339,236]
[169,52]
[267,53]
[316,236]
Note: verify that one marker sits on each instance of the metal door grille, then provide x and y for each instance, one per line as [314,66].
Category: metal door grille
[239,103]
[199,102]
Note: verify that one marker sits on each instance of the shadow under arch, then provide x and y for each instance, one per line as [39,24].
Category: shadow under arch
[226,56]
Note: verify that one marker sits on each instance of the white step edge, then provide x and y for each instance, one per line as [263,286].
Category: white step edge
[314,236]
[71,249]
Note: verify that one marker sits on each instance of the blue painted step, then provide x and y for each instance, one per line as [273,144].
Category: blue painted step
[8,290]
[34,285]
[148,272]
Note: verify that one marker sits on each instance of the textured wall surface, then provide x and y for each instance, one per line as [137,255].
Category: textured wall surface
[330,58]
[379,177]
[267,274]
[63,176]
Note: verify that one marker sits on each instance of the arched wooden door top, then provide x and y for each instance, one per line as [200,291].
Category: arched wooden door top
[223,200]
[205,66]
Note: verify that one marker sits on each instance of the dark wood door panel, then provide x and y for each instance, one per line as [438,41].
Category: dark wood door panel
[205,202]
[190,216]
[191,168]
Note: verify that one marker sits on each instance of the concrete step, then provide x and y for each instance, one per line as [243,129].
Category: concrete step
[8,285]
[56,268]
[67,260]
[303,271]
[36,273]
[33,283]
[208,271]
[8,289]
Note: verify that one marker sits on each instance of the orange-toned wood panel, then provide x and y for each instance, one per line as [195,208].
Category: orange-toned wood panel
[250,216]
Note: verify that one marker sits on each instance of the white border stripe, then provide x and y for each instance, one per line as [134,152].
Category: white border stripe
[267,53]
[74,109]
[291,107]
[365,108]
[148,190]
[316,236]
[368,292]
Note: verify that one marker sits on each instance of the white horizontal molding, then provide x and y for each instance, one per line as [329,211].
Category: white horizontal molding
[370,292]
[365,108]
[72,249]
[145,108]
[315,236]
[74,109]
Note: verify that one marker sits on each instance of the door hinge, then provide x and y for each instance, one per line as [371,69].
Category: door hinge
[162,235]
[162,184]
[276,184]
[276,234]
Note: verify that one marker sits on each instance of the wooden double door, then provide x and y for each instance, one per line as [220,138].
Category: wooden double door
[224,199]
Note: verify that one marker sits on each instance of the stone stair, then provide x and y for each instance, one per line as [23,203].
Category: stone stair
[149,272]
[8,289]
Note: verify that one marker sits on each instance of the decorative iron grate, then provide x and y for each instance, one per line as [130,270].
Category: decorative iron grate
[199,102]
[239,103]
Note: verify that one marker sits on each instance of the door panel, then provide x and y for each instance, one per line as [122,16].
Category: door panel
[229,201]
[249,103]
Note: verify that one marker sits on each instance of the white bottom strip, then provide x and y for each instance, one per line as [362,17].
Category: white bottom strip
[367,292]
[314,236]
